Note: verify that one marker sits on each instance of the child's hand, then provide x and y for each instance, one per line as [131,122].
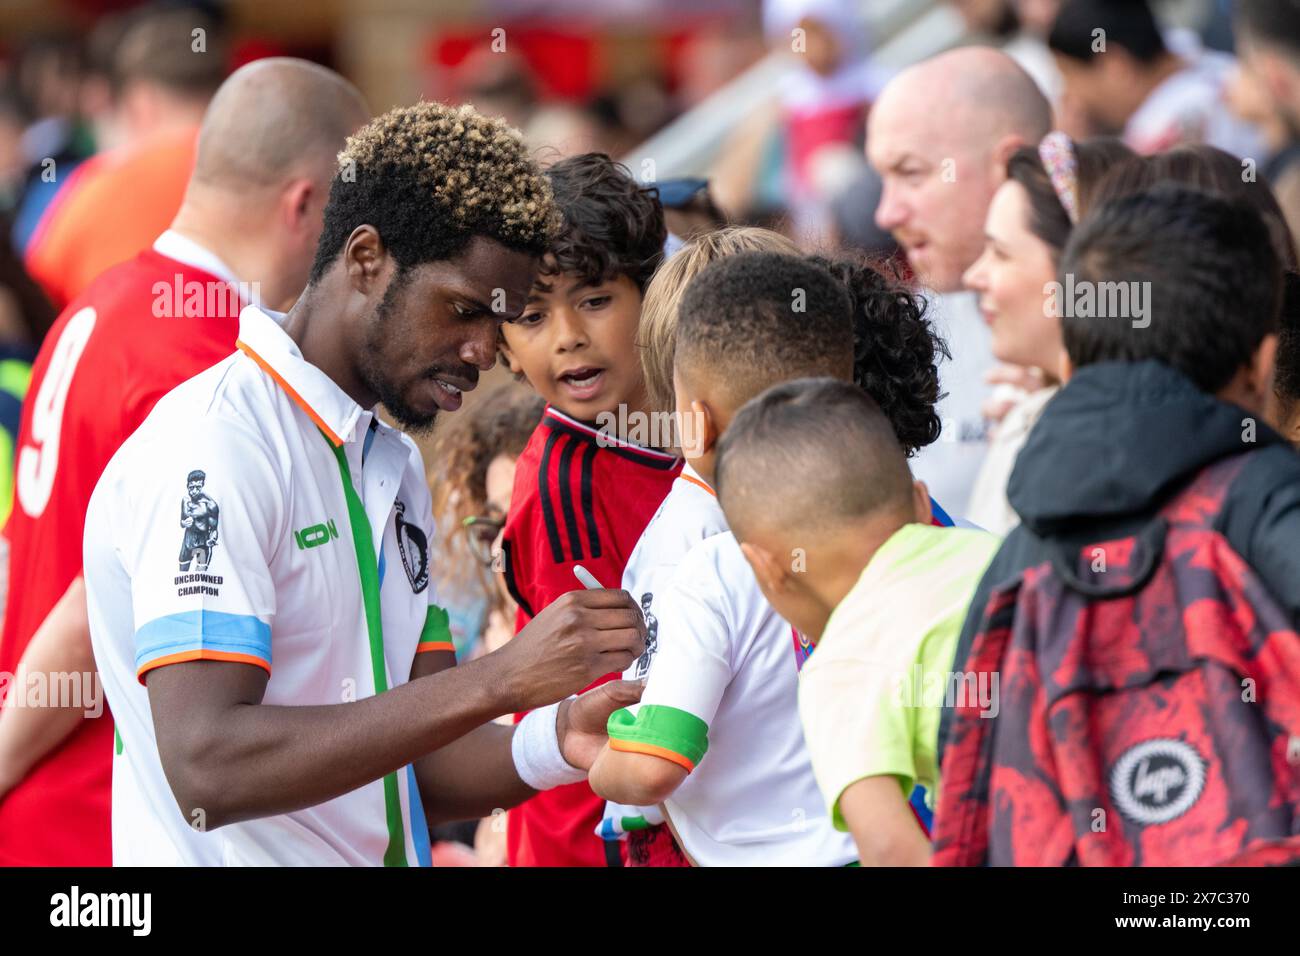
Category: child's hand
[581,722]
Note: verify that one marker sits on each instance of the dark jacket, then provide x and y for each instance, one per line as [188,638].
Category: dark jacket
[1112,447]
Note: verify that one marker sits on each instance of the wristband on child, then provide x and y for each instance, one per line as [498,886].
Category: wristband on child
[535,748]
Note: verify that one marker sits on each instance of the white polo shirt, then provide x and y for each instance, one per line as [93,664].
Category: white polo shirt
[303,550]
[721,701]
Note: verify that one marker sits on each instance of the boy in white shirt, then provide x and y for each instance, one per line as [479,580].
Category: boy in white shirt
[717,739]
[689,513]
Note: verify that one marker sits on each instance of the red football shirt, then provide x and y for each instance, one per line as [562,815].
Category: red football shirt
[107,360]
[579,498]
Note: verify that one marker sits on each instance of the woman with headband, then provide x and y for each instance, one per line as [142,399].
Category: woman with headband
[1047,189]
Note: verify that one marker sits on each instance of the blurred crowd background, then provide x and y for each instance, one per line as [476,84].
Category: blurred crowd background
[764,100]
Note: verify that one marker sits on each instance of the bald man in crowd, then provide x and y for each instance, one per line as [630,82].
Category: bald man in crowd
[245,234]
[939,136]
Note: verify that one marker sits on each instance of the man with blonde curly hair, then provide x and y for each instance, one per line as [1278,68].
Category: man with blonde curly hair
[363,733]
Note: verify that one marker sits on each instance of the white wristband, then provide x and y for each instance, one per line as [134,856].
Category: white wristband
[535,748]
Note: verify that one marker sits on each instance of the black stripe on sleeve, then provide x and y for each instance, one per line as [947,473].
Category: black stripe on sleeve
[566,498]
[544,493]
[512,585]
[593,532]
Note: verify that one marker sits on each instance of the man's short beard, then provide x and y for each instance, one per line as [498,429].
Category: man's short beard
[376,379]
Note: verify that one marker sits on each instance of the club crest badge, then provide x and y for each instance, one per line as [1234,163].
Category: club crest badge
[413,546]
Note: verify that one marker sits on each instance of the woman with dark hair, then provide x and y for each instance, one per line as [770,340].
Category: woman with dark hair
[1048,188]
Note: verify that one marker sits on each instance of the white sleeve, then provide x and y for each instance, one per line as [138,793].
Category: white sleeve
[690,670]
[201,585]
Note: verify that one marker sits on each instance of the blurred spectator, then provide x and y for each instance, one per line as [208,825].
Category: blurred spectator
[166,68]
[560,130]
[1019,28]
[824,100]
[853,223]
[25,317]
[498,84]
[1268,42]
[474,477]
[1247,96]
[1029,48]
[471,483]
[689,210]
[993,19]
[1129,80]
[712,57]
[42,139]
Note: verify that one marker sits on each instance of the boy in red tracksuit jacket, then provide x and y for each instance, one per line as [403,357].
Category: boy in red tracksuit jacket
[583,493]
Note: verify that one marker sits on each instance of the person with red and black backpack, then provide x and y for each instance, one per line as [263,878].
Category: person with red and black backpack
[1142,620]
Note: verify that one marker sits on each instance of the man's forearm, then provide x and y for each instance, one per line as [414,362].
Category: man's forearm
[471,777]
[61,659]
[252,760]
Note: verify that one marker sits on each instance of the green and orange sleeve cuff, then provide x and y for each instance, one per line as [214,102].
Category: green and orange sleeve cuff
[661,731]
[436,635]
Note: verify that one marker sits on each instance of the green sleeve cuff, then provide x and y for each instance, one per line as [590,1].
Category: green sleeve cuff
[436,635]
[661,731]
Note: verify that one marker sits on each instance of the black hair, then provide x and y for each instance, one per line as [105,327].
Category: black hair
[760,317]
[896,349]
[824,438]
[430,178]
[1286,376]
[1209,271]
[1048,219]
[611,225]
[1125,23]
[1209,169]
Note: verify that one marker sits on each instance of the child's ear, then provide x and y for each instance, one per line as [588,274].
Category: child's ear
[508,357]
[1262,365]
[1291,429]
[705,429]
[697,435]
[1064,367]
[921,509]
[770,572]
